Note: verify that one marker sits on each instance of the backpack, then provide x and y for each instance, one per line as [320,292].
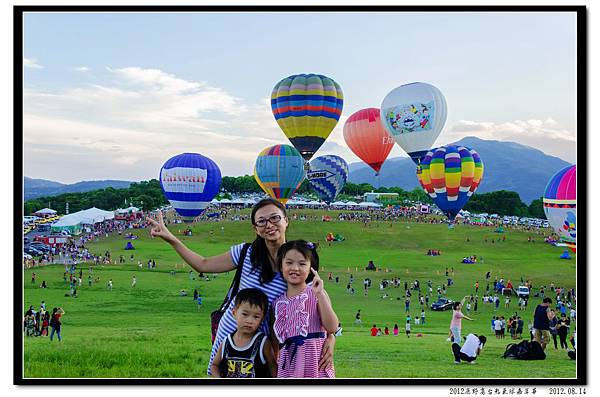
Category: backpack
[524,350]
[215,316]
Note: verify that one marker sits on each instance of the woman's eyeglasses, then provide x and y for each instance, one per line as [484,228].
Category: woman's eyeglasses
[263,221]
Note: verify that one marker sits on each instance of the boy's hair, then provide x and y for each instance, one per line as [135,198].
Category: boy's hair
[254,297]
[307,249]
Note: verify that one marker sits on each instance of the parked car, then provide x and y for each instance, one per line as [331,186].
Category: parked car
[32,251]
[522,291]
[26,240]
[27,256]
[40,247]
[442,304]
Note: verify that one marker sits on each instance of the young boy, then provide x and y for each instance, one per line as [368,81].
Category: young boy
[246,353]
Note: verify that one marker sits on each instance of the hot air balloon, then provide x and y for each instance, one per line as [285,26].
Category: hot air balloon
[450,175]
[414,114]
[307,107]
[560,205]
[367,138]
[190,181]
[279,170]
[327,175]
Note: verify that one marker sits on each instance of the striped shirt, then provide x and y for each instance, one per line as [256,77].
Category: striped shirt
[301,336]
[249,279]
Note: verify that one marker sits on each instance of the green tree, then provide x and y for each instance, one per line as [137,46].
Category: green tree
[536,209]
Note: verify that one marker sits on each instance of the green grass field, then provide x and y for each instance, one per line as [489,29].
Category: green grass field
[151,332]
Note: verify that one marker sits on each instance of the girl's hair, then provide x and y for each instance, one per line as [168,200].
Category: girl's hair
[259,257]
[455,305]
[307,249]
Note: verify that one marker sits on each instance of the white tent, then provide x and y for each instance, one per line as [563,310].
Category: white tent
[315,202]
[87,217]
[351,203]
[338,204]
[225,201]
[368,204]
[45,211]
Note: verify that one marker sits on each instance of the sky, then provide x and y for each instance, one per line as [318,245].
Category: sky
[114,95]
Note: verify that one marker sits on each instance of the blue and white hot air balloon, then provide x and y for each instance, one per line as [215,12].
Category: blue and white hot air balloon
[190,181]
[327,175]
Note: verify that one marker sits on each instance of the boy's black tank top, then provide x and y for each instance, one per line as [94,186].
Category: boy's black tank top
[245,363]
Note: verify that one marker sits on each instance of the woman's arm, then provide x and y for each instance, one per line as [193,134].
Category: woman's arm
[216,264]
[327,352]
[215,371]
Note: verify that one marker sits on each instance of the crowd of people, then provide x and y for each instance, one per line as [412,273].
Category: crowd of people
[284,275]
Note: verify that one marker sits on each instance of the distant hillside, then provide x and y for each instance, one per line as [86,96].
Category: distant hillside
[34,188]
[507,166]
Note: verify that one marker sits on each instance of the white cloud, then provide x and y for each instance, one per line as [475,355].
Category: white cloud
[32,63]
[127,128]
[545,135]
[81,69]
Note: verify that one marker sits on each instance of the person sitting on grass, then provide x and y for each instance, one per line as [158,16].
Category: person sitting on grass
[470,349]
[246,353]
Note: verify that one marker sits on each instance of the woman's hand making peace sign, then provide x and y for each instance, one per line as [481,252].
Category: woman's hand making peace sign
[158,229]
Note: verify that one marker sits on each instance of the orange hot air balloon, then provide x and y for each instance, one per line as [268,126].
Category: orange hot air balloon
[366,136]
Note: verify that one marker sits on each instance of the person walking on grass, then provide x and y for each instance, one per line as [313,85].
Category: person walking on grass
[55,323]
[541,322]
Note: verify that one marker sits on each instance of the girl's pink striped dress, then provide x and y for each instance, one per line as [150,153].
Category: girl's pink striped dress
[301,336]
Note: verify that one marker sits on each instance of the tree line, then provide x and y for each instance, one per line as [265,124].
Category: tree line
[148,195]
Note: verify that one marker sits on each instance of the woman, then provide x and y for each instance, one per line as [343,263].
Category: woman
[456,323]
[55,322]
[269,222]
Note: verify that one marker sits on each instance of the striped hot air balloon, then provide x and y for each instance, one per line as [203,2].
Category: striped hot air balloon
[450,175]
[327,175]
[560,205]
[190,181]
[367,138]
[279,170]
[307,107]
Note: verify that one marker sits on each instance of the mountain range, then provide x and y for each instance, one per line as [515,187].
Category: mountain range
[34,188]
[507,166]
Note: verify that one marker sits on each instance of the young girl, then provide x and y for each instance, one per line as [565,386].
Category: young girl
[303,314]
[395,329]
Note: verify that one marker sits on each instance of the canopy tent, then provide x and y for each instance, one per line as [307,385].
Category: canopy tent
[45,212]
[129,210]
[369,204]
[73,222]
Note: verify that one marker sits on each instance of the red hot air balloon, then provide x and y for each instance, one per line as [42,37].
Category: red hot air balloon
[366,136]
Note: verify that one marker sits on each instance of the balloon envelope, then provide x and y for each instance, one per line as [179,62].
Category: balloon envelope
[307,107]
[190,181]
[327,175]
[560,205]
[450,175]
[414,114]
[367,138]
[279,170]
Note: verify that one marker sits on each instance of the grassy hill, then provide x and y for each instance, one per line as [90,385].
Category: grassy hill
[150,331]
